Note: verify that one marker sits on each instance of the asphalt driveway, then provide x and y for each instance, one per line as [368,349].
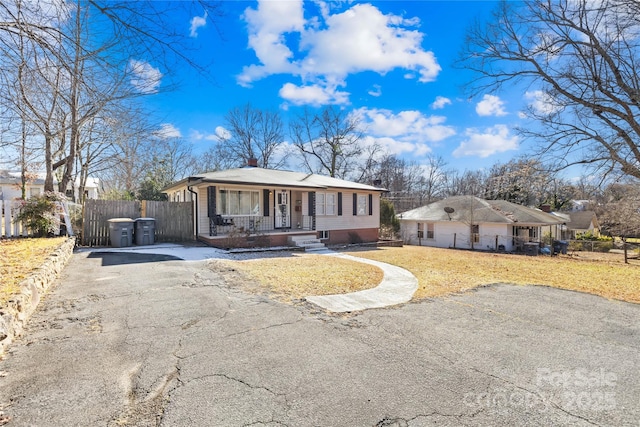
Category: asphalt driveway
[140,339]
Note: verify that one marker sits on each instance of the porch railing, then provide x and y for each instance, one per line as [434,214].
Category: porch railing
[224,225]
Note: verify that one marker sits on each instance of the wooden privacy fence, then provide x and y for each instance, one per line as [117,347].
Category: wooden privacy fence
[173,220]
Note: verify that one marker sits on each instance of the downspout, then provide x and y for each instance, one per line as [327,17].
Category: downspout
[195,210]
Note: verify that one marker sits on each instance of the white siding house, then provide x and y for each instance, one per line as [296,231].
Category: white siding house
[276,203]
[469,222]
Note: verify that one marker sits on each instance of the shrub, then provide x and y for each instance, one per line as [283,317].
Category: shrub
[40,213]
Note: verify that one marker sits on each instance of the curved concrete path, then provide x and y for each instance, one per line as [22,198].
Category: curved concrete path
[397,287]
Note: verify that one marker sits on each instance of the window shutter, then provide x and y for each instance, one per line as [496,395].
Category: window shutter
[339,204]
[312,209]
[355,204]
[211,201]
[265,202]
[370,204]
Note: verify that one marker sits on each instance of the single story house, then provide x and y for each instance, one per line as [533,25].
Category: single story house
[10,186]
[576,223]
[274,204]
[468,222]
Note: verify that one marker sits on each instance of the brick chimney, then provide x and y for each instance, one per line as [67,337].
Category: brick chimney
[545,208]
[252,162]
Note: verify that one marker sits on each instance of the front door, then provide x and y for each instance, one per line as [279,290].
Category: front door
[283,212]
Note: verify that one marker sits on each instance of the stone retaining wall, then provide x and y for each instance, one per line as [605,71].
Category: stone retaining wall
[19,308]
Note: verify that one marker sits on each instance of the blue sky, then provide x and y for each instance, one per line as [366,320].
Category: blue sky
[390,62]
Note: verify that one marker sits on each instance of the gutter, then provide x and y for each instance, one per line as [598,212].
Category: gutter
[195,209]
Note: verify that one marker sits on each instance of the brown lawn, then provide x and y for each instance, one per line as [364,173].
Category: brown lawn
[300,275]
[19,257]
[439,272]
[444,271]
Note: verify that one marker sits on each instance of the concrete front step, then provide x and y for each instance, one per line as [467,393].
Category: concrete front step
[308,242]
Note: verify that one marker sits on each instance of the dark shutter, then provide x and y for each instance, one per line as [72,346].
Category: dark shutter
[211,201]
[312,203]
[355,204]
[370,204]
[312,209]
[339,204]
[265,202]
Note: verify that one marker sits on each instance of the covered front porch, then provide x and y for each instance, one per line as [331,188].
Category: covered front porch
[238,216]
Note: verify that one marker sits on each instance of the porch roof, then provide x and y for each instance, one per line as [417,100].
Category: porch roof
[261,177]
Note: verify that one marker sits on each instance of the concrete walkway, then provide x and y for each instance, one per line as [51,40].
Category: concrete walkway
[397,287]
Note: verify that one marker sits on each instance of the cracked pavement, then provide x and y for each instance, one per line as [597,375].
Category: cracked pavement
[149,340]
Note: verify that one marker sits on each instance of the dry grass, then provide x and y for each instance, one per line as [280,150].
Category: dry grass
[444,271]
[299,276]
[18,258]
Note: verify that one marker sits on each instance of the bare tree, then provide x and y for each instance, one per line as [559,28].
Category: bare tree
[467,183]
[255,134]
[579,61]
[328,142]
[74,61]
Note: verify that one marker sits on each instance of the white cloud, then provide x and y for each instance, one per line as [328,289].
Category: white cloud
[196,135]
[197,22]
[376,91]
[541,102]
[221,133]
[145,78]
[440,103]
[485,143]
[404,132]
[315,95]
[490,105]
[332,46]
[167,130]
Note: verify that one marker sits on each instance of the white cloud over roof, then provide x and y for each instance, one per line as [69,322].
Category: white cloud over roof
[407,131]
[491,105]
[440,103]
[168,130]
[197,22]
[495,139]
[144,77]
[324,50]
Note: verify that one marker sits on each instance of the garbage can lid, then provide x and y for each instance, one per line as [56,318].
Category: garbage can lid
[145,219]
[120,220]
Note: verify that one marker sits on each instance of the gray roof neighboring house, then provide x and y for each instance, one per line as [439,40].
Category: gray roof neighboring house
[271,177]
[470,208]
[582,220]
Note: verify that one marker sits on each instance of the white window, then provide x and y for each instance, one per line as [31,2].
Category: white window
[323,235]
[475,233]
[239,202]
[326,203]
[420,230]
[362,204]
[429,228]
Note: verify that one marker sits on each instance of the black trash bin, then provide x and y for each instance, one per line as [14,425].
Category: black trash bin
[560,247]
[531,248]
[145,231]
[120,232]
[564,245]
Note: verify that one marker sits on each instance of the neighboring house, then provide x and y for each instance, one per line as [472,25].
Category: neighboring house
[10,186]
[583,222]
[92,189]
[279,204]
[470,222]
